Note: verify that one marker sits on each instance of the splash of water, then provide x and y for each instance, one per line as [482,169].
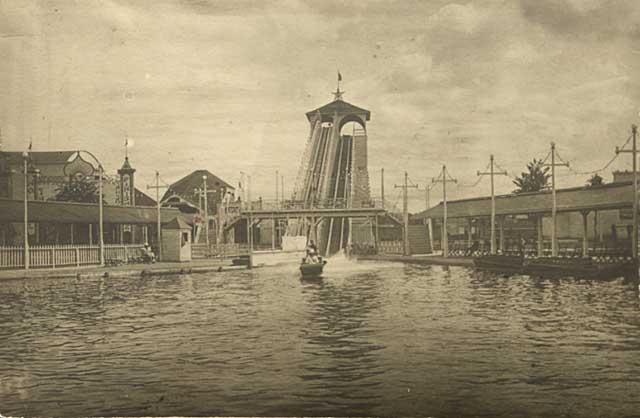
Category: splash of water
[340,263]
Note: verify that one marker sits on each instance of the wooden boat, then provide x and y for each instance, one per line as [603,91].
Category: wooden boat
[580,268]
[311,269]
[499,262]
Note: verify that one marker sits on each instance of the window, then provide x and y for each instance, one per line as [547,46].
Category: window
[185,238]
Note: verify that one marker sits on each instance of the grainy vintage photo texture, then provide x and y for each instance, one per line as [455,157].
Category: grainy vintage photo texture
[319,208]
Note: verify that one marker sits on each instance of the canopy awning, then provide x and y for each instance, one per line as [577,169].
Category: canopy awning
[587,198]
[69,212]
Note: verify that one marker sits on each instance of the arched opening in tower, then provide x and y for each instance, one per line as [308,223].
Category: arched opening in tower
[349,185]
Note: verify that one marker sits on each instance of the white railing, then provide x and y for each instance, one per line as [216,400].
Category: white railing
[11,257]
[390,247]
[330,203]
[218,250]
[52,256]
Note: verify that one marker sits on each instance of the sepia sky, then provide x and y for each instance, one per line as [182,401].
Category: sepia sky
[224,85]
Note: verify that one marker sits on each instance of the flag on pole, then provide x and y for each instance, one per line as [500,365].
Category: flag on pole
[339,76]
[30,144]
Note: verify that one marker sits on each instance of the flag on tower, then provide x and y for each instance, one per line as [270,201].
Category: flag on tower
[339,76]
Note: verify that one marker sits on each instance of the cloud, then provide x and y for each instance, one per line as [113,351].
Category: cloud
[224,85]
[457,17]
[585,18]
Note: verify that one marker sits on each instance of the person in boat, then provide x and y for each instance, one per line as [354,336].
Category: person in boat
[312,253]
[312,256]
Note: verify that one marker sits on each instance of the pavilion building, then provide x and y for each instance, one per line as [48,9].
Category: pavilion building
[590,219]
[129,214]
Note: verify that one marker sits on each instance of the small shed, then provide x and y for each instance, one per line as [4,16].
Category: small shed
[176,241]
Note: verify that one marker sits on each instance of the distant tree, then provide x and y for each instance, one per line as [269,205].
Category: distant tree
[535,179]
[595,180]
[84,190]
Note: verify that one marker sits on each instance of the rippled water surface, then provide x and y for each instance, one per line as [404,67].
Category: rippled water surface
[368,339]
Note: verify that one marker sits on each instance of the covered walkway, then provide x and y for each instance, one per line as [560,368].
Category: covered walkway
[592,220]
[77,223]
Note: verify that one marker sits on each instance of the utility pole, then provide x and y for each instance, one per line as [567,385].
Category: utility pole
[491,173]
[445,238]
[243,197]
[382,186]
[282,195]
[427,221]
[25,156]
[554,244]
[157,186]
[634,153]
[405,211]
[101,214]
[277,182]
[206,209]
[426,197]
[203,195]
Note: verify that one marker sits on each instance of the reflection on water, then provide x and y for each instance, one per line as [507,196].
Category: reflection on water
[368,339]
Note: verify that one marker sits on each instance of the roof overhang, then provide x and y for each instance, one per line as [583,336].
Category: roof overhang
[578,199]
[69,212]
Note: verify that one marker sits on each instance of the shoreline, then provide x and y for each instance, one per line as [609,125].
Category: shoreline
[423,260]
[126,270]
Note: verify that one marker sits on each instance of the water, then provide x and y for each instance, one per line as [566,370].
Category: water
[368,339]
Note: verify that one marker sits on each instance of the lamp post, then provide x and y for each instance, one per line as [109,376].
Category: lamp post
[25,156]
[36,173]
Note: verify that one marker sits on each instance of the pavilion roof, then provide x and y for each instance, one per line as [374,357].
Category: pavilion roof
[72,212]
[38,157]
[607,196]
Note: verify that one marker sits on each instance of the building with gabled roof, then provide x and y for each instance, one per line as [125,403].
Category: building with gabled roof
[187,194]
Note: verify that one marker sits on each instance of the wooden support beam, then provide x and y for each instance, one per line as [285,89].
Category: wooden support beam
[501,237]
[585,237]
[540,237]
